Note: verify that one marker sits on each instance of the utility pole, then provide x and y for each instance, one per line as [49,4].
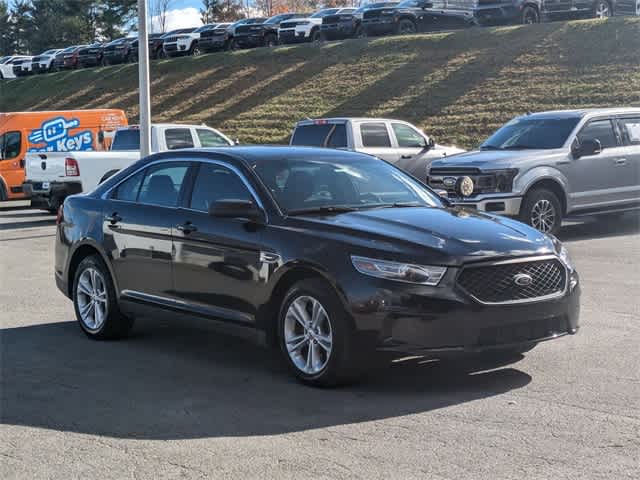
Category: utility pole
[143,80]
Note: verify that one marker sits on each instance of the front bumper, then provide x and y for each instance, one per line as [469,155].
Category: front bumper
[249,41]
[338,31]
[499,204]
[292,36]
[40,68]
[115,58]
[213,43]
[89,61]
[442,320]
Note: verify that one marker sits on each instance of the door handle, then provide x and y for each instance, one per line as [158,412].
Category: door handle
[113,218]
[186,228]
[406,156]
[621,161]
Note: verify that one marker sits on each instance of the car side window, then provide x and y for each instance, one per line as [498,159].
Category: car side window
[375,135]
[209,138]
[407,137]
[177,138]
[601,130]
[10,144]
[630,127]
[128,190]
[215,182]
[162,184]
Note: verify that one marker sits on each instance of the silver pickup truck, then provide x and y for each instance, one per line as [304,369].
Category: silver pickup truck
[544,166]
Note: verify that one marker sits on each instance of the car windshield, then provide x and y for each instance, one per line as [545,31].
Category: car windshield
[339,184]
[68,50]
[325,12]
[204,28]
[49,52]
[410,4]
[525,133]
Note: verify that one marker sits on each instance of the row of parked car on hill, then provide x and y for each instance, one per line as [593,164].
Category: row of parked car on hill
[382,18]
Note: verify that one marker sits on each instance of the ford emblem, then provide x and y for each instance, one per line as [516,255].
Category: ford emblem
[449,181]
[523,280]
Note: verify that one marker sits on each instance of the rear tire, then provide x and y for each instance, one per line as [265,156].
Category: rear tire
[542,210]
[318,348]
[530,15]
[3,192]
[95,302]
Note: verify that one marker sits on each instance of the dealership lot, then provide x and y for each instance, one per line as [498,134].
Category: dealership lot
[183,401]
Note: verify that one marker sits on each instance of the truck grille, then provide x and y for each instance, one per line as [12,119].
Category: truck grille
[289,24]
[498,283]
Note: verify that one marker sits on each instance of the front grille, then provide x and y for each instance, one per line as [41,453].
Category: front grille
[522,332]
[330,19]
[289,24]
[36,59]
[497,283]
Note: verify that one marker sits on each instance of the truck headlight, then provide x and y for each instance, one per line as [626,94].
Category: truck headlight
[401,272]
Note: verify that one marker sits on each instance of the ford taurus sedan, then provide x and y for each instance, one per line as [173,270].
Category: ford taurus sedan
[325,253]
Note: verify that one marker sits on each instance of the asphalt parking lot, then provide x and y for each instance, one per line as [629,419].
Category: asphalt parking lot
[181,401]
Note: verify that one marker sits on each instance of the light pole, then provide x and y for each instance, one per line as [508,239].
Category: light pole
[143,80]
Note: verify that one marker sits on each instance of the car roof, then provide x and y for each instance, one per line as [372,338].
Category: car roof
[311,121]
[253,153]
[582,112]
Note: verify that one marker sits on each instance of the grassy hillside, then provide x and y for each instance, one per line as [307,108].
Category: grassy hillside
[457,86]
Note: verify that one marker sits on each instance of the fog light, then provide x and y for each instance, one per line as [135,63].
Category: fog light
[465,186]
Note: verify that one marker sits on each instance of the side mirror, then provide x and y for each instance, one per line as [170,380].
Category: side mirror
[427,5]
[234,208]
[586,148]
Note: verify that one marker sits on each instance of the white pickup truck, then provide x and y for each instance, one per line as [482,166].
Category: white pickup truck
[51,177]
[395,141]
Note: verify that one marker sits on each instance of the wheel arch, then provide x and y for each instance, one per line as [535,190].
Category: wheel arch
[268,314]
[80,252]
[4,194]
[552,185]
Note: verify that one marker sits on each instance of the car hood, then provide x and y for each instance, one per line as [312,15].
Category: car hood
[492,159]
[441,236]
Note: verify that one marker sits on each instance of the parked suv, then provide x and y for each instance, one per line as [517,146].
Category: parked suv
[347,25]
[42,63]
[544,166]
[395,141]
[217,38]
[307,29]
[261,34]
[119,51]
[91,55]
[67,59]
[189,43]
[170,41]
[23,67]
[412,16]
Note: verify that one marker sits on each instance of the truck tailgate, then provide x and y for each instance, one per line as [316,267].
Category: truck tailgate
[44,167]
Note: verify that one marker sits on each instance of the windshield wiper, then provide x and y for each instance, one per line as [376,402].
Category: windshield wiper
[393,205]
[334,209]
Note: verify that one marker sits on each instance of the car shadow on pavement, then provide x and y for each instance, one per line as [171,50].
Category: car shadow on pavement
[172,381]
[28,224]
[601,227]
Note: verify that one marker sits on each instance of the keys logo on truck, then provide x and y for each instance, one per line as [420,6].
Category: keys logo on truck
[56,136]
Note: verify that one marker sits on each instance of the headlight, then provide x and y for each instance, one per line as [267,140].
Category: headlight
[564,256]
[401,272]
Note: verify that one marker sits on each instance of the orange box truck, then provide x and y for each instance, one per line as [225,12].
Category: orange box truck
[57,131]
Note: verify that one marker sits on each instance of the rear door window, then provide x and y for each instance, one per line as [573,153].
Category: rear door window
[162,184]
[630,127]
[177,138]
[375,135]
[128,190]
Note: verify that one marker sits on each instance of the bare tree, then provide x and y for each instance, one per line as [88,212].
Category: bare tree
[159,12]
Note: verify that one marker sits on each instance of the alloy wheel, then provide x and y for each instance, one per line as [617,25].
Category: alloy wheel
[543,215]
[602,10]
[196,52]
[91,295]
[308,335]
[407,28]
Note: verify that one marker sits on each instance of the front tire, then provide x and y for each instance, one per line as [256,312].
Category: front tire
[530,15]
[95,303]
[196,51]
[406,27]
[271,41]
[315,335]
[542,210]
[602,9]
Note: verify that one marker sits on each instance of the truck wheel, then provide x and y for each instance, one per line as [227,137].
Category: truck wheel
[270,40]
[196,51]
[233,45]
[530,15]
[602,9]
[406,27]
[316,36]
[360,32]
[315,335]
[542,210]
